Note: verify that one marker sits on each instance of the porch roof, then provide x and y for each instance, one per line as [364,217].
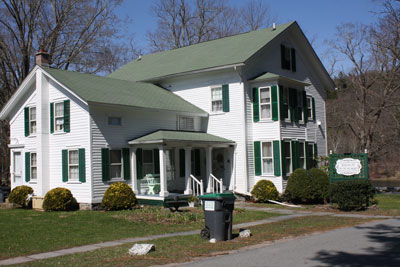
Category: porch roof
[269,76]
[162,136]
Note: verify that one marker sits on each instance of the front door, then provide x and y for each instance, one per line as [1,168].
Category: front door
[218,163]
[17,169]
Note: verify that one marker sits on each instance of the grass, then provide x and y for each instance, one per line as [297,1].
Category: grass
[24,232]
[185,248]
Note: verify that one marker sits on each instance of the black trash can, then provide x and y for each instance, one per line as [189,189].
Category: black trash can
[218,209]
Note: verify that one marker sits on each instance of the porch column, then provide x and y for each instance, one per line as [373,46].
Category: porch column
[163,173]
[208,168]
[133,171]
[188,166]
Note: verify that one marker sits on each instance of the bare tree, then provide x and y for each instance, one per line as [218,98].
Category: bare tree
[256,14]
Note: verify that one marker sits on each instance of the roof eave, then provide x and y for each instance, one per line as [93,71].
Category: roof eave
[281,79]
[160,141]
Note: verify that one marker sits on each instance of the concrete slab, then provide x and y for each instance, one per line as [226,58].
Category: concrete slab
[16,260]
[45,255]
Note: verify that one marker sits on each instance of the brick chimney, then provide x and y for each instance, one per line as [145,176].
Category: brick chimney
[42,58]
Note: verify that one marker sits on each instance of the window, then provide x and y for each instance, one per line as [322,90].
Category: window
[288,58]
[116,163]
[216,99]
[267,162]
[186,123]
[300,105]
[73,165]
[286,106]
[265,103]
[59,116]
[33,166]
[32,120]
[302,162]
[148,162]
[288,157]
[116,121]
[309,108]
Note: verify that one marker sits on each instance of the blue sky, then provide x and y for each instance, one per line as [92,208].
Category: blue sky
[317,18]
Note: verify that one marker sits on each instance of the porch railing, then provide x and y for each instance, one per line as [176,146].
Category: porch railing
[196,186]
[216,184]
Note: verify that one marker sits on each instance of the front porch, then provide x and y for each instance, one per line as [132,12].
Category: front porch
[168,164]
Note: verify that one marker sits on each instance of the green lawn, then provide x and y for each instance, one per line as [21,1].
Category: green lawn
[24,232]
[185,248]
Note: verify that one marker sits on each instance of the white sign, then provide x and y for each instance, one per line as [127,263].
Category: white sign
[209,205]
[348,166]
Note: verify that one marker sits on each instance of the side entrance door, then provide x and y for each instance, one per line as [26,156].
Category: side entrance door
[17,169]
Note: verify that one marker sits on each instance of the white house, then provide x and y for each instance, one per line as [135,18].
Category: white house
[218,115]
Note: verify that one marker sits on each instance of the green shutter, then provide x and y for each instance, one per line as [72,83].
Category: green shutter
[27,166]
[293,58]
[67,116]
[26,122]
[156,153]
[274,100]
[105,164]
[51,117]
[283,158]
[313,109]
[305,110]
[294,117]
[182,163]
[277,156]
[126,163]
[281,106]
[82,165]
[283,65]
[139,163]
[64,154]
[307,156]
[315,151]
[197,167]
[294,155]
[257,158]
[225,98]
[256,109]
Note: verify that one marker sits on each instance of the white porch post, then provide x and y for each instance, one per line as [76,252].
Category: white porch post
[188,166]
[208,168]
[133,171]
[163,173]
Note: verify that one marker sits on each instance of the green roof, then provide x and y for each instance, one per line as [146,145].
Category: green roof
[269,76]
[98,89]
[230,50]
[179,136]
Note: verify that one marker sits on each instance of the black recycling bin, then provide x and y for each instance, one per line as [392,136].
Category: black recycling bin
[218,209]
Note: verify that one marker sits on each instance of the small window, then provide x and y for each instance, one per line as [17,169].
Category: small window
[287,58]
[116,163]
[286,106]
[116,121]
[32,120]
[33,166]
[300,105]
[267,160]
[288,157]
[73,165]
[309,108]
[302,162]
[186,123]
[265,103]
[59,116]
[148,162]
[216,99]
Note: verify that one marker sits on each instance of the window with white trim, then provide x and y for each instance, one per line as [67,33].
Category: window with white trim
[216,99]
[59,116]
[286,106]
[265,102]
[186,123]
[115,121]
[309,108]
[148,162]
[116,163]
[300,105]
[302,161]
[33,166]
[288,157]
[73,165]
[267,158]
[32,120]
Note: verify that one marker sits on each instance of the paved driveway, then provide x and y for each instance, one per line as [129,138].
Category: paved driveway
[372,244]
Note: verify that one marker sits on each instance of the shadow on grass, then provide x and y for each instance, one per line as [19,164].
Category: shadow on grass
[388,253]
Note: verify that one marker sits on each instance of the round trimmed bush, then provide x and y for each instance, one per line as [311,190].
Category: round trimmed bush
[119,196]
[321,184]
[59,199]
[19,195]
[264,190]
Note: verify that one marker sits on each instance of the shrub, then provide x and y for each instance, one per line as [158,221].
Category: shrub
[119,196]
[352,195]
[264,190]
[307,186]
[59,199]
[20,194]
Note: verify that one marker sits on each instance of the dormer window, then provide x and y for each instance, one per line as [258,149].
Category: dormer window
[186,123]
[288,58]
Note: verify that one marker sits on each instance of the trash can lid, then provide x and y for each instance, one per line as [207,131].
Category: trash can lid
[218,195]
